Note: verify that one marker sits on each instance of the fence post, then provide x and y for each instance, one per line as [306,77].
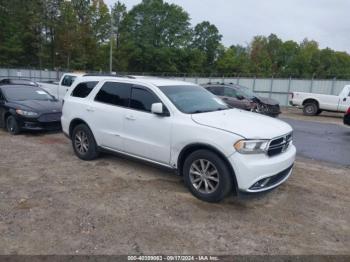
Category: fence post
[223,79]
[333,85]
[312,83]
[254,81]
[271,87]
[288,91]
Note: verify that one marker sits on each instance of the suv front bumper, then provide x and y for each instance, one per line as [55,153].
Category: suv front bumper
[258,173]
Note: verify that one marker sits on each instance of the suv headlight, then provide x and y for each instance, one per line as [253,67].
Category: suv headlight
[26,113]
[252,146]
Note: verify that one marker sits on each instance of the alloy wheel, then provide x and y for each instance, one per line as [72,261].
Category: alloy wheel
[204,176]
[81,142]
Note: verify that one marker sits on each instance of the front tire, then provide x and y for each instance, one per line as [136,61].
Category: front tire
[207,176]
[310,109]
[84,143]
[12,125]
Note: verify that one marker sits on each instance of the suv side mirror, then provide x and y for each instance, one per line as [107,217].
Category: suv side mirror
[239,97]
[158,109]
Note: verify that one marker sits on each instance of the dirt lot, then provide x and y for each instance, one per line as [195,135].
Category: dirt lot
[53,203]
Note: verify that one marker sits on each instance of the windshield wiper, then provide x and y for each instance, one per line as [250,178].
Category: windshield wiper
[208,111]
[200,111]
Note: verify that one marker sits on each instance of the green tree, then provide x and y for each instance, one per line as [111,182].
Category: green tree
[152,32]
[206,37]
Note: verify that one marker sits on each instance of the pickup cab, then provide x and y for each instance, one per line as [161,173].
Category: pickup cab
[314,104]
[58,90]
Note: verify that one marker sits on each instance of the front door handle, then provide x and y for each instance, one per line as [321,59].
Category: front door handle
[132,118]
[90,109]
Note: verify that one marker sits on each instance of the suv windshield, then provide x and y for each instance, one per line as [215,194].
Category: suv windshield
[26,93]
[193,99]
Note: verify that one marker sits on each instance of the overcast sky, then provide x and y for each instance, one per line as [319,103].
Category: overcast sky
[326,21]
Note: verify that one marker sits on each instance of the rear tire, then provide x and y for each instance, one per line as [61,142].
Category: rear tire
[319,111]
[207,176]
[12,126]
[310,109]
[84,143]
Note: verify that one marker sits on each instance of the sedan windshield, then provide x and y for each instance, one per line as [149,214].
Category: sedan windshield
[26,93]
[245,92]
[193,99]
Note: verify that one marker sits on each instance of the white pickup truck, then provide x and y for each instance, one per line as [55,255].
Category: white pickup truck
[314,104]
[59,89]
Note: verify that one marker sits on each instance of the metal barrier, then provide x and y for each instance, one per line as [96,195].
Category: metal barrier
[276,88]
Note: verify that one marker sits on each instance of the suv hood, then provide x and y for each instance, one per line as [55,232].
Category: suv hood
[246,124]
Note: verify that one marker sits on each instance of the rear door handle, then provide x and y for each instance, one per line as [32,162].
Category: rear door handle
[90,109]
[132,118]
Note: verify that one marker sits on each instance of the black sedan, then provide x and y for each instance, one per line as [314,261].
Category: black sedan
[24,107]
[27,82]
[347,117]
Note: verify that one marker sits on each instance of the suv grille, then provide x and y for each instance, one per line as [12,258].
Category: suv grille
[279,145]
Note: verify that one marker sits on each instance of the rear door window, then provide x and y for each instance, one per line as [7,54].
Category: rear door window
[84,89]
[114,93]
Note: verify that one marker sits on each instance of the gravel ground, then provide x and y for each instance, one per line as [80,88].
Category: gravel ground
[53,203]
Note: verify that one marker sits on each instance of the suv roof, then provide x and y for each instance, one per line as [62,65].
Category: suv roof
[157,81]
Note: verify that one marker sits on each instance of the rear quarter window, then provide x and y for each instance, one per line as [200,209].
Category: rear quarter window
[83,89]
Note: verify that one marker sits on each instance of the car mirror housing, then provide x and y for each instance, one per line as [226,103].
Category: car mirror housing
[157,108]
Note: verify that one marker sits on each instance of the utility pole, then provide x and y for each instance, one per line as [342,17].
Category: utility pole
[111,45]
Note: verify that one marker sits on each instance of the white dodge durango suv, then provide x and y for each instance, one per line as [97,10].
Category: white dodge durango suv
[218,150]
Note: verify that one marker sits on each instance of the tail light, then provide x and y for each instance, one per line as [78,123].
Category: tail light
[348,112]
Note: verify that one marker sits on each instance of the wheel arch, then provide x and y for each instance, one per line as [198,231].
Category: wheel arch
[187,150]
[4,118]
[311,100]
[74,123]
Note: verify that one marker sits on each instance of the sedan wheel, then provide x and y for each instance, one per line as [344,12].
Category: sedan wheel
[12,125]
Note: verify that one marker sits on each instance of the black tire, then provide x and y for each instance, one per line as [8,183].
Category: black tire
[319,111]
[310,109]
[12,125]
[220,189]
[90,150]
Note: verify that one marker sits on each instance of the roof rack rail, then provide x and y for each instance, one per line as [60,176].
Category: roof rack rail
[110,75]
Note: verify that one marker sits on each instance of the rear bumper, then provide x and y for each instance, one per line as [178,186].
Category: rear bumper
[259,173]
